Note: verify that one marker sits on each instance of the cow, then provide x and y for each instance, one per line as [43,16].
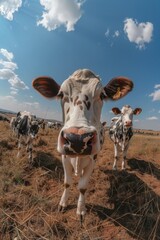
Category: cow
[27,128]
[82,135]
[120,131]
[4,118]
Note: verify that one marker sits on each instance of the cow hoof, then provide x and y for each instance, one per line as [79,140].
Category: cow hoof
[81,216]
[61,209]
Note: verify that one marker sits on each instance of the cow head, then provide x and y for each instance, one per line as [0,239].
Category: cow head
[127,114]
[34,128]
[82,96]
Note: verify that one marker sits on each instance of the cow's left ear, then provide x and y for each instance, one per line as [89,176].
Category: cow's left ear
[137,111]
[116,110]
[46,86]
[104,124]
[118,87]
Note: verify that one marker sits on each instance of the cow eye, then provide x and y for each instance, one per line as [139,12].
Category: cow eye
[60,94]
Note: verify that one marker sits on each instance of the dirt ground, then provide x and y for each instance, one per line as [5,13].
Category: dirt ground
[121,205]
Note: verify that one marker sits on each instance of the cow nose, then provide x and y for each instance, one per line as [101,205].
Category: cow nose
[128,123]
[78,142]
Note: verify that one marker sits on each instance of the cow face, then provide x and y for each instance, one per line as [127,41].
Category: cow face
[127,114]
[34,128]
[82,98]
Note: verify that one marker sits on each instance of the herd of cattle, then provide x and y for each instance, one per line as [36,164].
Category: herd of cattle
[82,134]
[26,126]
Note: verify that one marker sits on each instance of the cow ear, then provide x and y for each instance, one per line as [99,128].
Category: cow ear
[46,86]
[104,124]
[137,111]
[118,87]
[116,110]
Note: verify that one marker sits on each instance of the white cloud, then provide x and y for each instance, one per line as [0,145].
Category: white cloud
[116,34]
[156,94]
[136,120]
[60,12]
[139,33]
[6,54]
[9,7]
[7,67]
[157,86]
[152,118]
[6,73]
[7,64]
[34,105]
[107,33]
[14,91]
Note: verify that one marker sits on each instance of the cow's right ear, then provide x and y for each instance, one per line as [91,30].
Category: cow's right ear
[116,110]
[117,88]
[46,86]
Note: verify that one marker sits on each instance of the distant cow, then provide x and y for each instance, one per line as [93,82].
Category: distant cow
[4,118]
[26,128]
[121,131]
[81,137]
[54,125]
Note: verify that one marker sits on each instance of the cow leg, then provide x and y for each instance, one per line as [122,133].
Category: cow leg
[124,157]
[19,146]
[115,156]
[29,148]
[82,186]
[67,182]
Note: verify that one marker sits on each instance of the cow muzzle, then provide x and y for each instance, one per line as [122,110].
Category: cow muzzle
[128,124]
[78,141]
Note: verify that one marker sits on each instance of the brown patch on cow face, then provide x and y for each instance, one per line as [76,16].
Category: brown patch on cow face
[79,102]
[68,110]
[75,101]
[66,99]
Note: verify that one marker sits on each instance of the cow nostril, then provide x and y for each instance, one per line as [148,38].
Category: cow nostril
[64,138]
[92,138]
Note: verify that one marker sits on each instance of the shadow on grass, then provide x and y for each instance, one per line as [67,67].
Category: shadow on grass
[135,206]
[144,167]
[50,163]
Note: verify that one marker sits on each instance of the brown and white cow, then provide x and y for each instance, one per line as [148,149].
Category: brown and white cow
[81,137]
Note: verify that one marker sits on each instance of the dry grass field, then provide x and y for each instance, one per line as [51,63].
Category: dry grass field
[120,205]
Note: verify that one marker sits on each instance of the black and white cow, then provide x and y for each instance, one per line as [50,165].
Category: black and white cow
[82,134]
[121,131]
[4,118]
[27,128]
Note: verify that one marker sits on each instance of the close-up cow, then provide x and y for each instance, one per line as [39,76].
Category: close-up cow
[81,136]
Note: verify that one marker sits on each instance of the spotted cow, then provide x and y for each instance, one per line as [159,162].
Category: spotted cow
[27,128]
[121,131]
[81,137]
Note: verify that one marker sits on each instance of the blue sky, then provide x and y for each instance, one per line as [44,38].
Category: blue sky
[57,37]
